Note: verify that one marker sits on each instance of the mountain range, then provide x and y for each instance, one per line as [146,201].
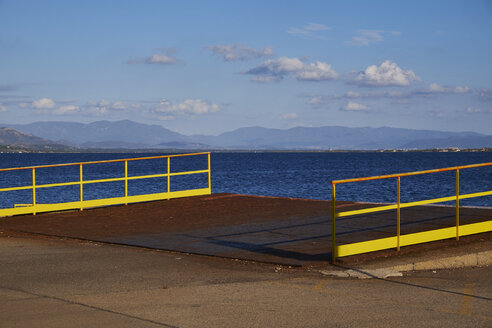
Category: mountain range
[131,135]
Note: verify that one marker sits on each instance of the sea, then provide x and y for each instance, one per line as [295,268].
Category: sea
[282,174]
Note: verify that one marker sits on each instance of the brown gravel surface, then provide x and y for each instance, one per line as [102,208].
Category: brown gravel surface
[175,215]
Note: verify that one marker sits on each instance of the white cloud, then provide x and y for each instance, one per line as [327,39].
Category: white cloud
[276,69]
[353,106]
[485,94]
[474,110]
[188,106]
[265,79]
[289,116]
[352,94]
[311,30]
[435,88]
[64,110]
[280,66]
[366,37]
[315,100]
[103,106]
[166,117]
[386,74]
[161,59]
[43,103]
[436,114]
[239,51]
[460,89]
[317,71]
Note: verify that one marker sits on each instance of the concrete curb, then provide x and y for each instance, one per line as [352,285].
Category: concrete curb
[452,262]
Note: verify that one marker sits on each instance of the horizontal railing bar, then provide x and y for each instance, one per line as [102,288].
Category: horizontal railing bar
[410,204]
[188,172]
[72,183]
[396,175]
[99,162]
[38,208]
[412,238]
[16,188]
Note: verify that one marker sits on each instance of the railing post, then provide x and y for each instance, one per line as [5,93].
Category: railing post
[333,225]
[457,204]
[209,174]
[168,174]
[398,214]
[81,186]
[126,180]
[34,190]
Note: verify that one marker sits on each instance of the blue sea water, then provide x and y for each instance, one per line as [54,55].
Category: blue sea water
[300,175]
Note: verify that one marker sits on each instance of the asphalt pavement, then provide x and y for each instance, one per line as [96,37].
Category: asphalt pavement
[57,282]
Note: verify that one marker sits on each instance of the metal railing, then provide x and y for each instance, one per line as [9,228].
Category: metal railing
[35,207]
[413,238]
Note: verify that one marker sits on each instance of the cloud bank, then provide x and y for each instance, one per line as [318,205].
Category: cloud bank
[274,70]
[238,52]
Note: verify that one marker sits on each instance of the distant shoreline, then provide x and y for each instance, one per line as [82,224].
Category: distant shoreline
[24,149]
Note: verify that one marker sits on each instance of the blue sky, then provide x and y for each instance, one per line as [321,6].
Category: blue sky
[206,67]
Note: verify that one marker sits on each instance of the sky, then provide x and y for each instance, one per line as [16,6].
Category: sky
[207,67]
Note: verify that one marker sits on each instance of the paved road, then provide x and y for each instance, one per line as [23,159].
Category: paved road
[67,283]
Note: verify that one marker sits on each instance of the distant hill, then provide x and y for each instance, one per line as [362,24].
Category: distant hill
[132,135]
[9,136]
[101,131]
[19,139]
[335,137]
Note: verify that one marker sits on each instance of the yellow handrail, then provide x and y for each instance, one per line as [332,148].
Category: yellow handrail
[385,243]
[36,208]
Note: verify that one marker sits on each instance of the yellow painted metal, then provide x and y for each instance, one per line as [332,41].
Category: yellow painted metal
[377,177]
[36,208]
[367,210]
[168,174]
[403,240]
[126,179]
[16,188]
[34,189]
[81,174]
[209,172]
[457,204]
[398,214]
[99,162]
[476,194]
[103,202]
[22,205]
[333,224]
[412,239]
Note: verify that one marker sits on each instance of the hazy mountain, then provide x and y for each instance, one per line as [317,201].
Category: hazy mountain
[102,131]
[9,136]
[132,135]
[22,140]
[335,137]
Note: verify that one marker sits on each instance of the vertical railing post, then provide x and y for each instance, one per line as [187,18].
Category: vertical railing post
[333,225]
[398,214]
[34,190]
[209,174]
[457,204]
[169,174]
[126,181]
[81,186]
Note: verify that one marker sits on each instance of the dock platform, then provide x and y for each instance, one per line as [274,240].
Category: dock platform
[285,231]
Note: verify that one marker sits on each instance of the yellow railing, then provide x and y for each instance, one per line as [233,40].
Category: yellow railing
[81,203]
[413,238]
